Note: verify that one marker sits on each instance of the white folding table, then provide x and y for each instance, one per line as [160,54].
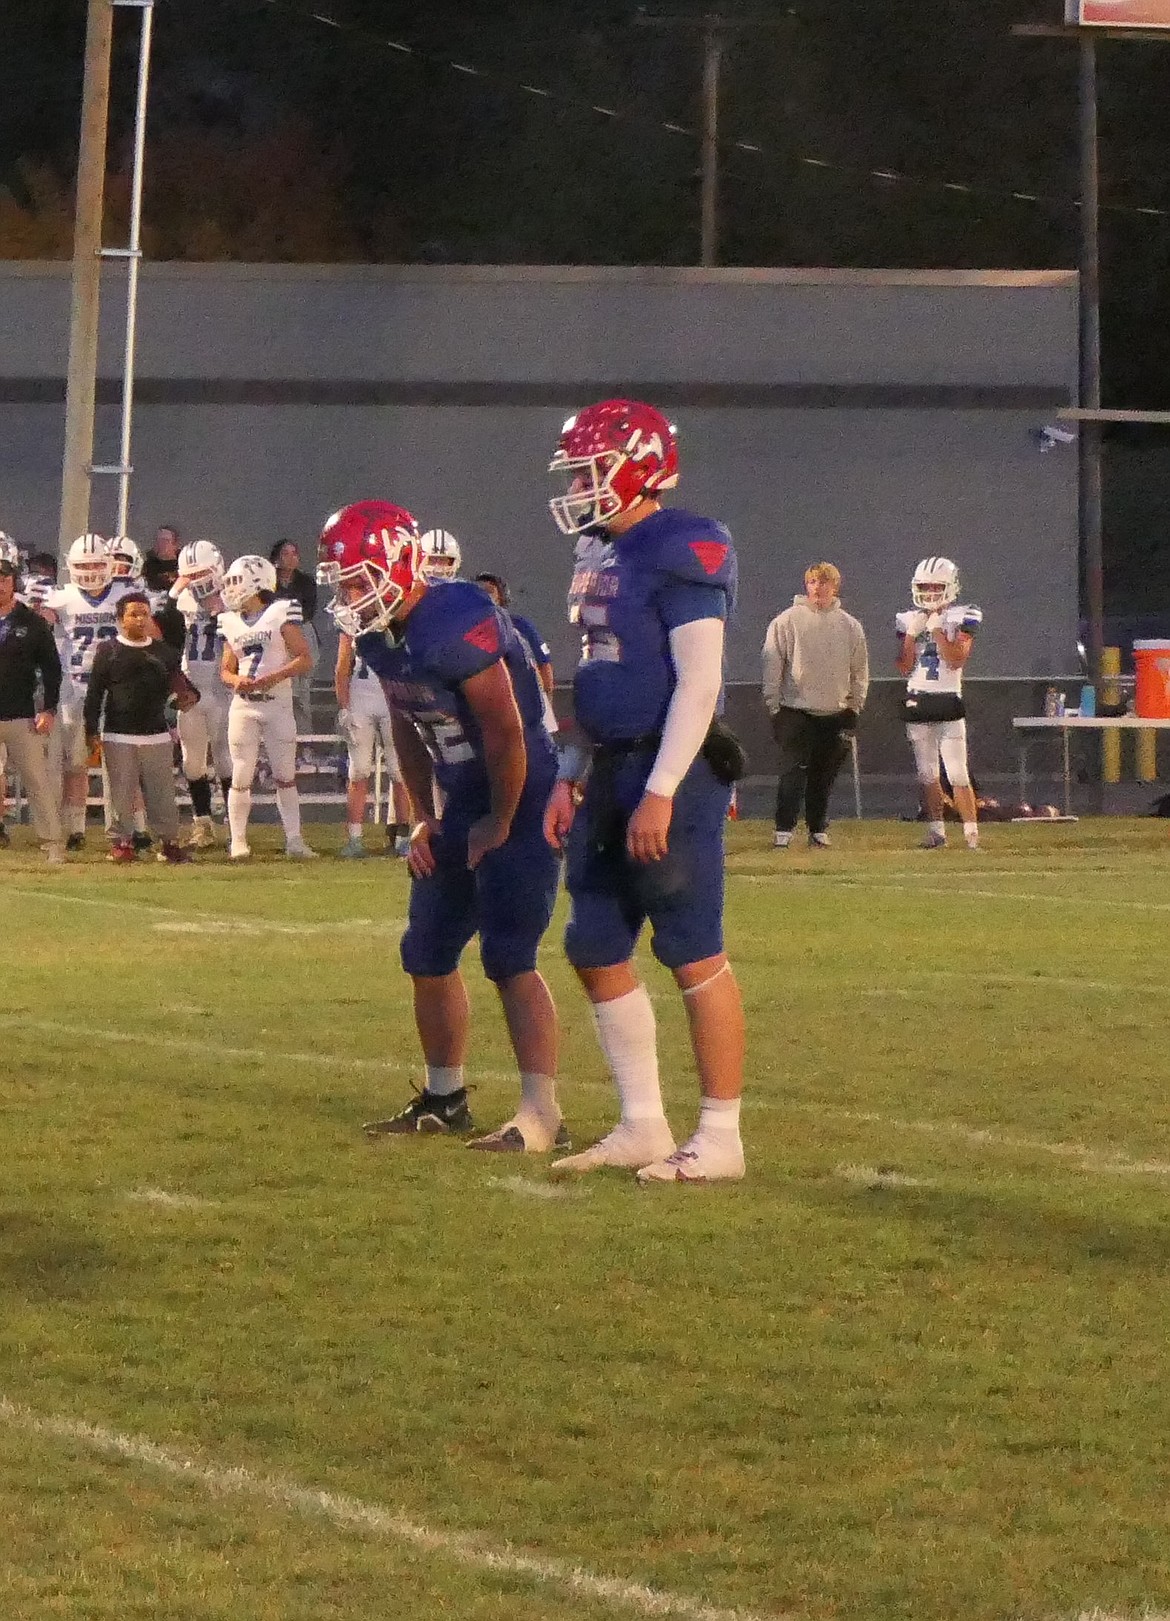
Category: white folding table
[1065,724]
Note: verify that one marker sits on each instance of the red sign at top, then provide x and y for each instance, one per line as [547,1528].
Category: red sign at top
[1119,13]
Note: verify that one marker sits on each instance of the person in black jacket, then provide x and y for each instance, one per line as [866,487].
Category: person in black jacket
[132,679]
[293,582]
[28,655]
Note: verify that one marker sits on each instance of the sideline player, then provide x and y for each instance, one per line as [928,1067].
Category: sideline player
[85,613]
[264,648]
[469,726]
[441,556]
[935,638]
[363,718]
[652,591]
[203,728]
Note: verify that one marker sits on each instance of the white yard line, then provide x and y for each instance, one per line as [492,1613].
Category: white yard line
[191,921]
[951,892]
[169,1201]
[353,1514]
[1092,1159]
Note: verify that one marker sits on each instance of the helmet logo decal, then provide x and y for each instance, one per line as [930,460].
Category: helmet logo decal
[641,445]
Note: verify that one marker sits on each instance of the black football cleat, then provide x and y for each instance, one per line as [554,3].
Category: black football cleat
[426,1115]
[75,841]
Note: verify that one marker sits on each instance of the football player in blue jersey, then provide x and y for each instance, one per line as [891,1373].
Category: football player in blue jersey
[468,719]
[641,803]
[497,589]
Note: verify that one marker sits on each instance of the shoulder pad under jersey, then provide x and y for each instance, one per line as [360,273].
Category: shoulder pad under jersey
[690,548]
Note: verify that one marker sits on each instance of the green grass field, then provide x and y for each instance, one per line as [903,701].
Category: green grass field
[254,1368]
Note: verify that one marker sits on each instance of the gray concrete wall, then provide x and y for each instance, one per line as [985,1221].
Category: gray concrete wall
[869,418]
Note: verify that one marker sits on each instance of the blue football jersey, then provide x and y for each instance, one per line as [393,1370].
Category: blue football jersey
[627,595]
[541,652]
[454,633]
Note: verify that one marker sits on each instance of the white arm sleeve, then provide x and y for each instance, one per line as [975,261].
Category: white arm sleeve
[697,651]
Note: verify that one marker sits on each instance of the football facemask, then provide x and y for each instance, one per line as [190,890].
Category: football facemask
[934,583]
[610,457]
[90,564]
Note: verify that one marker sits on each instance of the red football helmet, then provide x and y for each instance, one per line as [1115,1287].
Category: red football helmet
[611,455]
[369,553]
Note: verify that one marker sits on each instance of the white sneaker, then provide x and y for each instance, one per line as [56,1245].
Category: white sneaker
[298,850]
[819,841]
[781,841]
[524,1134]
[973,841]
[239,852]
[202,836]
[703,1159]
[628,1147]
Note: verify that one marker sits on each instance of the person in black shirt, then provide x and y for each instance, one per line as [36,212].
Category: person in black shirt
[132,679]
[28,654]
[293,582]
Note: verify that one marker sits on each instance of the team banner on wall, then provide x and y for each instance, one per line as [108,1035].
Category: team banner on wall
[1119,13]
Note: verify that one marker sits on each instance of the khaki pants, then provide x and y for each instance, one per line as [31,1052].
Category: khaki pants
[28,754]
[149,766]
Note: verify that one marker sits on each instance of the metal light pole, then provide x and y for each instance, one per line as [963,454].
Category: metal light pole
[1090,440]
[81,381]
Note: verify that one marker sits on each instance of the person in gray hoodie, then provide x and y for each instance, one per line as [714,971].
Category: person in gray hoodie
[816,676]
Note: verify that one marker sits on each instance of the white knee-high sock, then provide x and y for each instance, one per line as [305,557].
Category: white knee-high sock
[239,809]
[289,805]
[628,1035]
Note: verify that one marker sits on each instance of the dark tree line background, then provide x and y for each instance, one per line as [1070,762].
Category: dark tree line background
[274,136]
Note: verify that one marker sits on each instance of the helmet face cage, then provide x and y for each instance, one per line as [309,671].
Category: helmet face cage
[934,583]
[589,498]
[201,565]
[90,565]
[126,559]
[441,555]
[245,579]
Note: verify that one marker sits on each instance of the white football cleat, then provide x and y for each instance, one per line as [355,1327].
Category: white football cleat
[627,1146]
[298,850]
[703,1159]
[202,835]
[239,852]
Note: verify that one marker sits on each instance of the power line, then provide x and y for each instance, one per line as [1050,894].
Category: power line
[978,190]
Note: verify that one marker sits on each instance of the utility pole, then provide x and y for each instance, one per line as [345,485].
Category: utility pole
[1088,412]
[715,29]
[81,382]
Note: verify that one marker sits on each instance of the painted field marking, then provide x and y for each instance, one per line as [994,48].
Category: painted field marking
[191,921]
[951,893]
[169,1201]
[353,1514]
[525,1188]
[1090,1158]
[878,1176]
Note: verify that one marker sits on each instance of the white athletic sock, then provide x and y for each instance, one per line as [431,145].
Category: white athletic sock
[442,1082]
[355,830]
[538,1096]
[718,1115]
[627,1033]
[75,819]
[289,805]
[970,830]
[140,821]
[938,829]
[239,809]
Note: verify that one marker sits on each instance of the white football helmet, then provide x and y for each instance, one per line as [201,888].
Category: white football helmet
[127,559]
[441,556]
[90,565]
[10,554]
[934,583]
[246,578]
[201,566]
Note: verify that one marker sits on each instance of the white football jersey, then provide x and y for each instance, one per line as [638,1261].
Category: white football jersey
[931,673]
[257,642]
[366,696]
[83,623]
[203,647]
